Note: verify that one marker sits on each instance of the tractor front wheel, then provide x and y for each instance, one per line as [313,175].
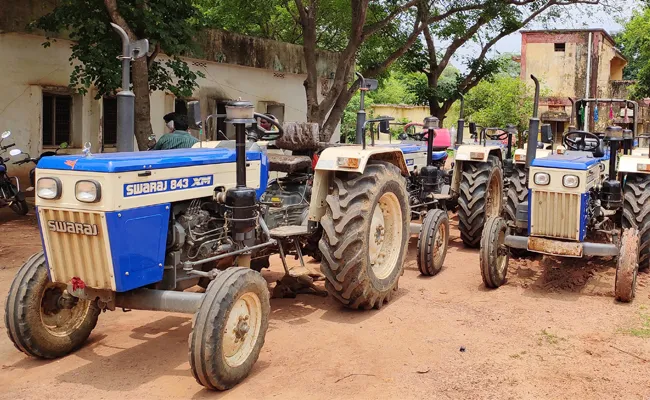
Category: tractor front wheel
[365,235]
[494,255]
[229,328]
[41,318]
[432,242]
[627,266]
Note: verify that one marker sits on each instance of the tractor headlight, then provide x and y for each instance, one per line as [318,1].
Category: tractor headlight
[48,188]
[570,181]
[542,178]
[88,191]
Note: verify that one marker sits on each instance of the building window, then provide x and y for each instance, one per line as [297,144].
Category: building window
[560,47]
[109,107]
[57,117]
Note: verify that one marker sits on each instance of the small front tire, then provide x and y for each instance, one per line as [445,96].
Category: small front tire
[432,242]
[494,254]
[36,323]
[20,207]
[627,266]
[229,328]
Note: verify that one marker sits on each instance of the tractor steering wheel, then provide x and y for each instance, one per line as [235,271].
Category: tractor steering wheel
[418,136]
[499,133]
[576,140]
[268,135]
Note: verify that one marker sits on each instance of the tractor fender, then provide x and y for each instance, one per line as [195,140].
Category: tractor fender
[474,153]
[636,164]
[345,159]
[520,155]
[471,153]
[355,158]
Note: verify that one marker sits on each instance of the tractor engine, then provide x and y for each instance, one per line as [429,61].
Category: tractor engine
[286,201]
[198,231]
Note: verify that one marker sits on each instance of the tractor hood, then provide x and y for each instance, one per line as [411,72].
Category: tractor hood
[576,160]
[144,160]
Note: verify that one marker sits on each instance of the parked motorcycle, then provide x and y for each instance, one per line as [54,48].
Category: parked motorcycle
[28,159]
[10,194]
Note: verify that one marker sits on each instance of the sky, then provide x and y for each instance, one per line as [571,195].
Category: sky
[512,43]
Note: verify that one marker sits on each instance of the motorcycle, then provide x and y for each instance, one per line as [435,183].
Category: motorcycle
[10,194]
[28,159]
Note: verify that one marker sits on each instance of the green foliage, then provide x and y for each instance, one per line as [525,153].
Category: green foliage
[634,42]
[504,100]
[168,24]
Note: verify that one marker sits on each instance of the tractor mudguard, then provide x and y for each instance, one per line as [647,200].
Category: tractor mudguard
[346,159]
[468,152]
[636,164]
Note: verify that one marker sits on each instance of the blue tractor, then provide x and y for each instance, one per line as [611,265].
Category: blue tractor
[575,208]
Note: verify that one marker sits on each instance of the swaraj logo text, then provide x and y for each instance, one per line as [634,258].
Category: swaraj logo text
[72,227]
[166,185]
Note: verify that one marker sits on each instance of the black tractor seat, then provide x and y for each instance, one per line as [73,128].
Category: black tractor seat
[288,164]
[300,137]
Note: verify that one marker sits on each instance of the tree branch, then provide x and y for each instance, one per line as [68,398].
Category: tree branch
[116,17]
[152,57]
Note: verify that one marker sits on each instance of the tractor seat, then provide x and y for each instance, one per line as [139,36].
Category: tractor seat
[298,136]
[288,164]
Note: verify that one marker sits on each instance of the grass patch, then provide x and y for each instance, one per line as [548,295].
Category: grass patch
[548,338]
[644,330]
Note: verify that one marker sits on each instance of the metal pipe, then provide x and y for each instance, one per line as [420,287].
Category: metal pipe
[415,228]
[361,114]
[613,152]
[589,50]
[240,147]
[160,300]
[461,121]
[533,127]
[189,264]
[430,134]
[573,111]
[125,98]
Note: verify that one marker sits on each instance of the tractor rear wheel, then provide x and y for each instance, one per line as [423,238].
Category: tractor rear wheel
[636,213]
[229,328]
[365,235]
[516,194]
[42,320]
[481,197]
[627,266]
[432,242]
[493,254]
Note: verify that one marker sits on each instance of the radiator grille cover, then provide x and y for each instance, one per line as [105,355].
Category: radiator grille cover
[80,249]
[555,215]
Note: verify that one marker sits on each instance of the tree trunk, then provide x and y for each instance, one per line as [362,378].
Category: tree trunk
[140,77]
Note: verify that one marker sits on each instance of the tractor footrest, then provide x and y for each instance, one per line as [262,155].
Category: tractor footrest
[284,232]
[442,196]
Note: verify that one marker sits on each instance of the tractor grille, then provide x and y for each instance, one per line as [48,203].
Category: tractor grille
[82,253]
[555,215]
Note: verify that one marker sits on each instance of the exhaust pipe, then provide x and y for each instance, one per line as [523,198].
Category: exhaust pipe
[533,127]
[461,121]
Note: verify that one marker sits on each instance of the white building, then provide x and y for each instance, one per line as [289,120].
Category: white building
[41,111]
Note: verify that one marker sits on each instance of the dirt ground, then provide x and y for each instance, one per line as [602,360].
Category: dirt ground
[554,331]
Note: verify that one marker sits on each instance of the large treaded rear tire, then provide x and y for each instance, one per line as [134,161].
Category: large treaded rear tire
[26,319]
[636,213]
[346,240]
[474,189]
[239,290]
[517,192]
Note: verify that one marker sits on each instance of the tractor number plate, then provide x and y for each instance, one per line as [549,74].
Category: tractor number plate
[555,247]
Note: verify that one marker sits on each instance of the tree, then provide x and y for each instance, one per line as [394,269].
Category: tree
[634,42]
[169,26]
[503,100]
[479,27]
